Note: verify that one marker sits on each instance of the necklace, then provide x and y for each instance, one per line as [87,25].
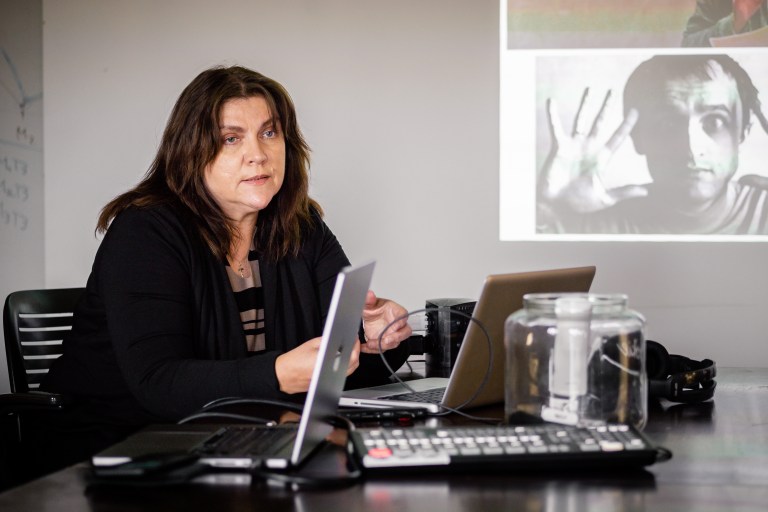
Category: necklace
[241,266]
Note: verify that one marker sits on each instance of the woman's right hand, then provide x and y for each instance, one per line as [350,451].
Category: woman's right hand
[294,368]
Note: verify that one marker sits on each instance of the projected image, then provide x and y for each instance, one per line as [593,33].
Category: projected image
[728,23]
[686,117]
[543,24]
[611,130]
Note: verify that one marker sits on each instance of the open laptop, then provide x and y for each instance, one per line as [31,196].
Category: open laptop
[501,295]
[288,446]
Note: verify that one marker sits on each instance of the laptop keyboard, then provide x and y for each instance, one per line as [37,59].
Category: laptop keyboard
[247,440]
[546,446]
[434,396]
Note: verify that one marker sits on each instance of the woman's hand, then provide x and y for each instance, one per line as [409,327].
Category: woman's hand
[377,314]
[294,368]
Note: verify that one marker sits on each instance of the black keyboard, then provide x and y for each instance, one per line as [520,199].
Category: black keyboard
[540,446]
[247,440]
[434,396]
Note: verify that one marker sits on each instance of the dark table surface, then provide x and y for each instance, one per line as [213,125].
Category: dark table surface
[720,463]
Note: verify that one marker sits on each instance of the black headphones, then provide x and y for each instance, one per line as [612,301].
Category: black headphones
[677,378]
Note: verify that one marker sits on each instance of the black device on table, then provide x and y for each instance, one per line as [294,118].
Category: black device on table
[383,415]
[505,447]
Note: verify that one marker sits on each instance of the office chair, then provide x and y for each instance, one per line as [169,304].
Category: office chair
[34,324]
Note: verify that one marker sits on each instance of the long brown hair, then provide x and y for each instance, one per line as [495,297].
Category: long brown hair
[191,141]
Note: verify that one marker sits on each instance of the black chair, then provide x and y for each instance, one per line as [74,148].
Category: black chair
[34,324]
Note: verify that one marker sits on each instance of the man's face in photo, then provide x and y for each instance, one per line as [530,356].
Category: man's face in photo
[691,140]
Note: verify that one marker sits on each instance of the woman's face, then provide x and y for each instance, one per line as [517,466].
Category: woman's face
[250,167]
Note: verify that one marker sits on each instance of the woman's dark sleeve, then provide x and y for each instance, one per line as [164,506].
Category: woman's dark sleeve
[146,272]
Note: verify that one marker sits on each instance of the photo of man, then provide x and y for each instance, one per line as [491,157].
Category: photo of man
[687,117]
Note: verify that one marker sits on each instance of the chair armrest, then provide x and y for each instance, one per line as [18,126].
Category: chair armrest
[31,400]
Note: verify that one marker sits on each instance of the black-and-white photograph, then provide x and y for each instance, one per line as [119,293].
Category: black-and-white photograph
[680,123]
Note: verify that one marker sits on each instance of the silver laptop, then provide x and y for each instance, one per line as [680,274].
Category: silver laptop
[288,446]
[501,295]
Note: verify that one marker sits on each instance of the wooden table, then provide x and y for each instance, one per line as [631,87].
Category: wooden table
[720,463]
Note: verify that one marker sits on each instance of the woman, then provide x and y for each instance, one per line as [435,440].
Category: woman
[214,277]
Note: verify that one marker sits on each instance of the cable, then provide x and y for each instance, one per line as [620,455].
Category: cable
[292,478]
[486,377]
[296,481]
[234,400]
[208,410]
[450,410]
[227,415]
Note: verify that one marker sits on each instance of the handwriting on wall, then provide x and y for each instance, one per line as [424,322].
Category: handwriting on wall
[14,191]
[20,149]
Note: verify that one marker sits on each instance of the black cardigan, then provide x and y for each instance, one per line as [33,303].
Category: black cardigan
[157,334]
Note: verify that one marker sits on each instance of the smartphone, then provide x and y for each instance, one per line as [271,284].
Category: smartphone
[147,465]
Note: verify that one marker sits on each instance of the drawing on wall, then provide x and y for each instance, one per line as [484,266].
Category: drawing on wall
[21,150]
[652,143]
[21,134]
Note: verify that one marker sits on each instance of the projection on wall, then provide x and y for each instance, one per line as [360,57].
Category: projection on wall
[634,120]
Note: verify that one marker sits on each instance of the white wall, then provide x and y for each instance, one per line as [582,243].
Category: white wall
[399,101]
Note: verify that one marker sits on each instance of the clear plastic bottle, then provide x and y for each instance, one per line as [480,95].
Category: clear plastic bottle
[576,358]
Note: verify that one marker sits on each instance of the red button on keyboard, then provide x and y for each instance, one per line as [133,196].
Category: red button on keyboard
[380,453]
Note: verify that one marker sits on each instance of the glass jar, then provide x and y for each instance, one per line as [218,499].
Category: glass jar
[576,358]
